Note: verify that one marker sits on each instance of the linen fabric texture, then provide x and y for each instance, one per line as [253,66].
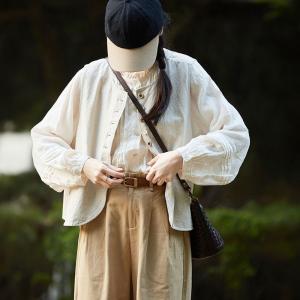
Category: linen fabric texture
[199,122]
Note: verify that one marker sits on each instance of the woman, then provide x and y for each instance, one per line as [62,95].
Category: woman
[119,188]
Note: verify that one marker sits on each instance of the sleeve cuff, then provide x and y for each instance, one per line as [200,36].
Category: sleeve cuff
[83,160]
[185,171]
[74,161]
[84,178]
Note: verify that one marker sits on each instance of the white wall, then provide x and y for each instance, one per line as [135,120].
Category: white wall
[15,152]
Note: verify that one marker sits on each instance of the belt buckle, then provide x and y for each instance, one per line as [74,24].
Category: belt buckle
[135,181]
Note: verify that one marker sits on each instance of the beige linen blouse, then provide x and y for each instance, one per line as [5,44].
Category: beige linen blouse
[130,150]
[94,117]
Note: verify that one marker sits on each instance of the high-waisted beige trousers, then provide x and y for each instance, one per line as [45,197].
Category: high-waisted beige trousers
[130,252]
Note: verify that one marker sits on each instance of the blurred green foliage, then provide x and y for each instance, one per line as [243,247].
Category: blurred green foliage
[261,257]
[37,251]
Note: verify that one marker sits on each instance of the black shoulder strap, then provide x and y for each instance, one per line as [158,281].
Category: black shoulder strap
[149,123]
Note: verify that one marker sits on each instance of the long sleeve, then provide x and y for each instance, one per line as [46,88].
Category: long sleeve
[58,164]
[214,157]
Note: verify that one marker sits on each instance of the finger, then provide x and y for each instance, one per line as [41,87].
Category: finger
[112,167]
[114,181]
[115,168]
[161,182]
[111,181]
[156,178]
[168,178]
[152,161]
[150,174]
[113,173]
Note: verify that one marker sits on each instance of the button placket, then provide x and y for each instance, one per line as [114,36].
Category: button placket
[117,111]
[140,95]
[146,137]
[140,92]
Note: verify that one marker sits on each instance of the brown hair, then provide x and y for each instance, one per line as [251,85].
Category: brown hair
[164,86]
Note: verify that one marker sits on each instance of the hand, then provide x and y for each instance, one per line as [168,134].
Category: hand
[96,172]
[164,167]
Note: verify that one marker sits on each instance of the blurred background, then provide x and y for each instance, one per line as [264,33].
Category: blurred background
[251,50]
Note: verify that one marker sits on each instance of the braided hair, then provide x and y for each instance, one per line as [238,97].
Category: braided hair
[164,86]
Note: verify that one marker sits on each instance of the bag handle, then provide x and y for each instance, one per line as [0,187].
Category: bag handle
[152,128]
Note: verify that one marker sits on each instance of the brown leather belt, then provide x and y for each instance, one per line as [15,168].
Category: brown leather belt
[137,179]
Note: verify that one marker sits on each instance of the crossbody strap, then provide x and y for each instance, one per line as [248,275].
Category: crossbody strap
[150,125]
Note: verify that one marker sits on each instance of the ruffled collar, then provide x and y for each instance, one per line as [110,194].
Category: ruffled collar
[139,79]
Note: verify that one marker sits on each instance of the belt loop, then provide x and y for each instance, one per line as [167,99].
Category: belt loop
[151,186]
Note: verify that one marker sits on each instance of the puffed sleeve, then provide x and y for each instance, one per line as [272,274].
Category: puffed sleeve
[57,163]
[214,157]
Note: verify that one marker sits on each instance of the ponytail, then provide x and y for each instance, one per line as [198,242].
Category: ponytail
[164,86]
